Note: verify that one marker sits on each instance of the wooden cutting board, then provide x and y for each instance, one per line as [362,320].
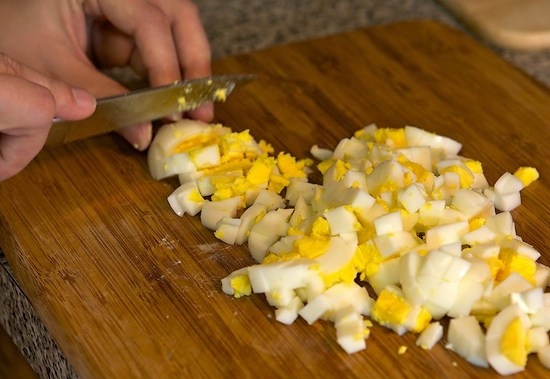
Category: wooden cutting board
[129,289]
[514,24]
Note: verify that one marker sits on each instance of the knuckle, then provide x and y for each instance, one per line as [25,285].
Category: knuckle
[9,65]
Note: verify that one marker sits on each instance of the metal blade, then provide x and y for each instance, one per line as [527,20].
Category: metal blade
[146,105]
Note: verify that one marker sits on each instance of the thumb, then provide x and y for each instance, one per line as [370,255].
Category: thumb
[70,102]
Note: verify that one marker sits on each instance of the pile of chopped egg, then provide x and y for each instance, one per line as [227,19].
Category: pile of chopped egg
[398,210]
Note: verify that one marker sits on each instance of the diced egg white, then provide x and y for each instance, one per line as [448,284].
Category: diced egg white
[398,210]
[430,336]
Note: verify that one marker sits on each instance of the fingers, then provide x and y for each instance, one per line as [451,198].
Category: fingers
[70,103]
[83,74]
[164,39]
[192,43]
[168,35]
[28,103]
[22,133]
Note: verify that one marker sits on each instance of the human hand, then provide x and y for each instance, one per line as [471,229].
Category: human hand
[28,103]
[69,40]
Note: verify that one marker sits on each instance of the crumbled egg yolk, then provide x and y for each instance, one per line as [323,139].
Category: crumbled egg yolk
[290,167]
[474,166]
[367,260]
[390,309]
[527,175]
[346,274]
[477,223]
[260,169]
[393,310]
[182,102]
[220,94]
[241,286]
[514,262]
[393,137]
[324,166]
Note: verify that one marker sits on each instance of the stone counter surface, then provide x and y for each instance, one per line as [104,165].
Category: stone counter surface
[236,27]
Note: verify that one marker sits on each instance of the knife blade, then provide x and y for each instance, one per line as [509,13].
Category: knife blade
[143,105]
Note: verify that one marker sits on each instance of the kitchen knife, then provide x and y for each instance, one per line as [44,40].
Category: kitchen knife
[143,105]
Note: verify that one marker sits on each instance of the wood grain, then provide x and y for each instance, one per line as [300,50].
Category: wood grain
[128,289]
[513,24]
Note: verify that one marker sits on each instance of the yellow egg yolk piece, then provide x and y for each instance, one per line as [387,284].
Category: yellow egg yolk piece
[390,309]
[527,175]
[241,285]
[513,343]
[514,262]
[392,137]
[465,175]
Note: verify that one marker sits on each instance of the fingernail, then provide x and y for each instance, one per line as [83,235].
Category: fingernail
[83,99]
[144,137]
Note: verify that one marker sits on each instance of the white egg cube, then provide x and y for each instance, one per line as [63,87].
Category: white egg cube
[354,179]
[340,251]
[267,231]
[469,291]
[395,243]
[507,202]
[388,273]
[442,147]
[418,154]
[280,297]
[249,217]
[320,153]
[388,224]
[349,147]
[270,199]
[430,336]
[542,318]
[389,171]
[186,199]
[290,274]
[226,229]
[501,294]
[341,220]
[479,236]
[529,301]
[168,166]
[412,198]
[466,338]
[205,157]
[508,184]
[446,234]
[300,187]
[289,313]
[472,204]
[284,245]
[350,333]
[213,211]
[537,338]
[431,212]
[315,308]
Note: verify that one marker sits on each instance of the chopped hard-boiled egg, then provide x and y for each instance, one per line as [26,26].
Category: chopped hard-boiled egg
[397,210]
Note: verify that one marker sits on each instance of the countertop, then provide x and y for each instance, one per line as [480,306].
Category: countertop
[236,27]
